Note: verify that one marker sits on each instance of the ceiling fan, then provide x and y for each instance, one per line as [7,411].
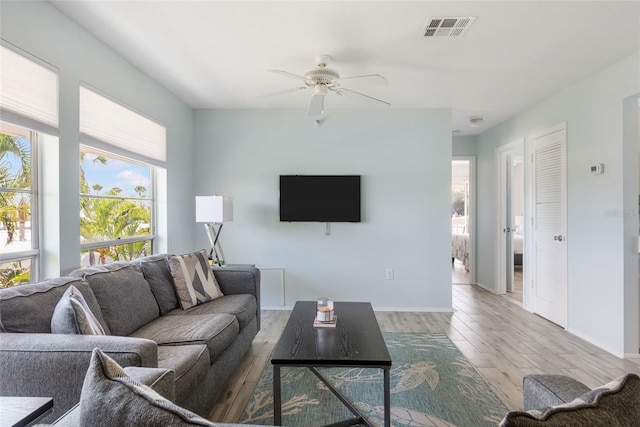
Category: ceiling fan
[322,80]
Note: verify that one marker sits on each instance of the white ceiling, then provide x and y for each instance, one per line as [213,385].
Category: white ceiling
[214,54]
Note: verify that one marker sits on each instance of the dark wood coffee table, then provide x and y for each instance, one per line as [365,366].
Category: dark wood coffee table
[23,411]
[356,341]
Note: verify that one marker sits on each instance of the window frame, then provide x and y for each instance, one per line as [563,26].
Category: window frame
[152,199]
[32,254]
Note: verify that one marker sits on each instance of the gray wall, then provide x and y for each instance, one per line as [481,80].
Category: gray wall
[42,31]
[602,219]
[464,145]
[404,157]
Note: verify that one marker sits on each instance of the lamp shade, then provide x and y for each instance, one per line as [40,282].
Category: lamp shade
[214,209]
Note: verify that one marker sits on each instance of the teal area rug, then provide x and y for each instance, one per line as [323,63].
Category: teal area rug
[432,384]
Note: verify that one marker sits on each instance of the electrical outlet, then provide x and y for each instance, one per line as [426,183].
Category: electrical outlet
[389,273]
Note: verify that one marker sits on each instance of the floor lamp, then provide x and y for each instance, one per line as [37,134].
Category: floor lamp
[214,211]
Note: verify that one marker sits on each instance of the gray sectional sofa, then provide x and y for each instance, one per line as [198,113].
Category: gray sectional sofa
[137,306]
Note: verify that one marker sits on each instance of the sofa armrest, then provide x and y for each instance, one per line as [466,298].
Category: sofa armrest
[55,365]
[239,280]
[543,391]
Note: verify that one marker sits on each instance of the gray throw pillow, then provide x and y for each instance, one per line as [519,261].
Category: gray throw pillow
[156,272]
[193,279]
[110,397]
[124,296]
[72,315]
[614,404]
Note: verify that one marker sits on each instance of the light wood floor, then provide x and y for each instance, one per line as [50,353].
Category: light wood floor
[503,341]
[458,275]
[516,293]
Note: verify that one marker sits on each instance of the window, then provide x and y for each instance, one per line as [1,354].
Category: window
[29,110]
[120,156]
[18,205]
[116,208]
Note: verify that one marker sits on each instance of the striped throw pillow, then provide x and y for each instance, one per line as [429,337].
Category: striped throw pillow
[193,279]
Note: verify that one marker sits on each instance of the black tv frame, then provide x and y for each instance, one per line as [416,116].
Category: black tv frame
[320,198]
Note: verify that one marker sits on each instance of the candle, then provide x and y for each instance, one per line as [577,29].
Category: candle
[325,309]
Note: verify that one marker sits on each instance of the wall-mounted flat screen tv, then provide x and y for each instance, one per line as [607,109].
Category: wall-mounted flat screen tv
[320,198]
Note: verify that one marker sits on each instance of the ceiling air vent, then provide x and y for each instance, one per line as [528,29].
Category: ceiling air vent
[448,26]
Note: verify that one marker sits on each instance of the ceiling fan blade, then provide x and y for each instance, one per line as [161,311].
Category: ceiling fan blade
[283,92]
[291,75]
[343,89]
[373,78]
[316,106]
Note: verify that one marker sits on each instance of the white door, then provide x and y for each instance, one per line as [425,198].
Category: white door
[504,260]
[549,276]
[509,226]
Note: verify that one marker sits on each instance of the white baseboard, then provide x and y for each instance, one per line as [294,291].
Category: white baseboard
[276,307]
[594,342]
[486,288]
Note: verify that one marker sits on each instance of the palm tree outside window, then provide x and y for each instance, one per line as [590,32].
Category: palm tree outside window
[18,205]
[116,208]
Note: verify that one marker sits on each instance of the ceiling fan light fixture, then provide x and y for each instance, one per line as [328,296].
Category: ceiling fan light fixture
[322,80]
[321,76]
[320,89]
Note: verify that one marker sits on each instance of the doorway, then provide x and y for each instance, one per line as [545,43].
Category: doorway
[511,220]
[462,220]
[516,214]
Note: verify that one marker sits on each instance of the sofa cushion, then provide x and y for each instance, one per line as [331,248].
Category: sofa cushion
[243,306]
[190,363]
[124,295]
[193,279]
[216,331]
[156,271]
[614,404]
[29,308]
[110,397]
[72,315]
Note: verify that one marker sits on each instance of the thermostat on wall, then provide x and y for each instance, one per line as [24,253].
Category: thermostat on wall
[597,169]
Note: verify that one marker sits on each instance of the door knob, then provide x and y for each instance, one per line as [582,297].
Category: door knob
[558,238]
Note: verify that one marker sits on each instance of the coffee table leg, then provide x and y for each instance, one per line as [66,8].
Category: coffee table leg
[387,397]
[277,403]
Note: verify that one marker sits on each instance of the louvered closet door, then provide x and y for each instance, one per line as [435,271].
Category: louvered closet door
[549,227]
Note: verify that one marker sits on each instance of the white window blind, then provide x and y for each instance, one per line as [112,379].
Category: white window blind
[28,89]
[124,131]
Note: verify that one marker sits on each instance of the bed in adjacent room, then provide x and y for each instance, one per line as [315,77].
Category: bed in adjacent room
[517,245]
[460,248]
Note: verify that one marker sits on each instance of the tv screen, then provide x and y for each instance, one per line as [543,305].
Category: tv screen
[320,198]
